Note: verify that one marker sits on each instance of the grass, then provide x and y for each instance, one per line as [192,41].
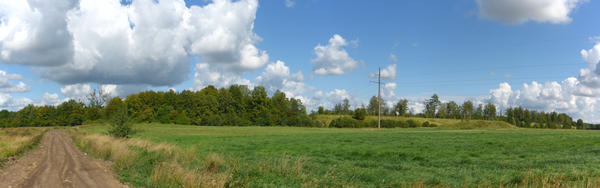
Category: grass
[15,141]
[443,123]
[323,157]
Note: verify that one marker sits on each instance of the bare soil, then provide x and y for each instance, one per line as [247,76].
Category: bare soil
[57,163]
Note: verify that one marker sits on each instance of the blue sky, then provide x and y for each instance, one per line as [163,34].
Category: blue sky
[482,50]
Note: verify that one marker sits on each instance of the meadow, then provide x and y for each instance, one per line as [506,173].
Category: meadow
[180,155]
[15,141]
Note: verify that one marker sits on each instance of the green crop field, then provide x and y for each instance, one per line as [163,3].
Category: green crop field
[415,157]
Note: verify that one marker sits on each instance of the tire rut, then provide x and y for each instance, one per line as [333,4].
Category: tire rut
[57,163]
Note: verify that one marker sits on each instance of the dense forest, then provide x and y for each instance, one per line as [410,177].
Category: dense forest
[234,106]
[239,105]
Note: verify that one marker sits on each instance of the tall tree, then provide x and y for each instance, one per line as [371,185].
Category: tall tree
[433,104]
[402,107]
[346,105]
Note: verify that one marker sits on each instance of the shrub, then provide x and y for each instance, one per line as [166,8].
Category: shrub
[238,121]
[215,120]
[386,123]
[120,127]
[425,124]
[360,114]
[344,122]
[433,125]
[411,123]
[403,124]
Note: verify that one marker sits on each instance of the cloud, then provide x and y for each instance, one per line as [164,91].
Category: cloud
[35,33]
[354,43]
[492,73]
[76,91]
[272,77]
[589,76]
[388,95]
[520,11]
[289,3]
[415,44]
[6,86]
[297,77]
[393,58]
[147,42]
[11,103]
[388,73]
[550,96]
[277,77]
[396,43]
[332,59]
[508,75]
[205,76]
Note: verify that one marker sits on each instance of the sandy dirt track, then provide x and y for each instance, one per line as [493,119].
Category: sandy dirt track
[57,163]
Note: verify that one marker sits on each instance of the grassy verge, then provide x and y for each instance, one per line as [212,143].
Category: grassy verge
[16,141]
[313,157]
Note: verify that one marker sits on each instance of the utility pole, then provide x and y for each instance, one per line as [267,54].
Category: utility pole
[378,99]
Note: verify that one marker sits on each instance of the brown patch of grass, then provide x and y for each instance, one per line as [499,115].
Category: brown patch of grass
[15,141]
[176,171]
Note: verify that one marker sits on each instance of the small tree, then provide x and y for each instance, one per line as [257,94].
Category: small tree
[120,127]
[360,114]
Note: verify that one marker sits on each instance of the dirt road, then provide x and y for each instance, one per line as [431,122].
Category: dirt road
[57,163]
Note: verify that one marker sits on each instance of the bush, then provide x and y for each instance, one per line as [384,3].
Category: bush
[425,124]
[120,127]
[215,120]
[433,125]
[386,123]
[403,124]
[411,123]
[360,114]
[237,121]
[344,122]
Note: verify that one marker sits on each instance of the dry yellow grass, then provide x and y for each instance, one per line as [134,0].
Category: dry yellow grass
[14,141]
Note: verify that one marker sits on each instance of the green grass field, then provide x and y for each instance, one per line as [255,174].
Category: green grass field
[394,157]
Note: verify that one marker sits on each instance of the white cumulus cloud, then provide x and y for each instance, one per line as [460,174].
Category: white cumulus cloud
[277,77]
[145,43]
[205,76]
[332,59]
[550,96]
[7,86]
[521,11]
[389,73]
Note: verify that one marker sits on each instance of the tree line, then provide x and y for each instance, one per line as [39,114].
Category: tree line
[237,105]
[434,108]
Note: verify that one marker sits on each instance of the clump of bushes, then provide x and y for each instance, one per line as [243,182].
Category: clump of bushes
[425,124]
[360,114]
[344,122]
[412,123]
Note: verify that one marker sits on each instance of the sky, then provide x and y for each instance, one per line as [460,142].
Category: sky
[538,54]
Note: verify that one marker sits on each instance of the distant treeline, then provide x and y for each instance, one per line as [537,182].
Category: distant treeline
[239,105]
[434,108]
[233,106]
